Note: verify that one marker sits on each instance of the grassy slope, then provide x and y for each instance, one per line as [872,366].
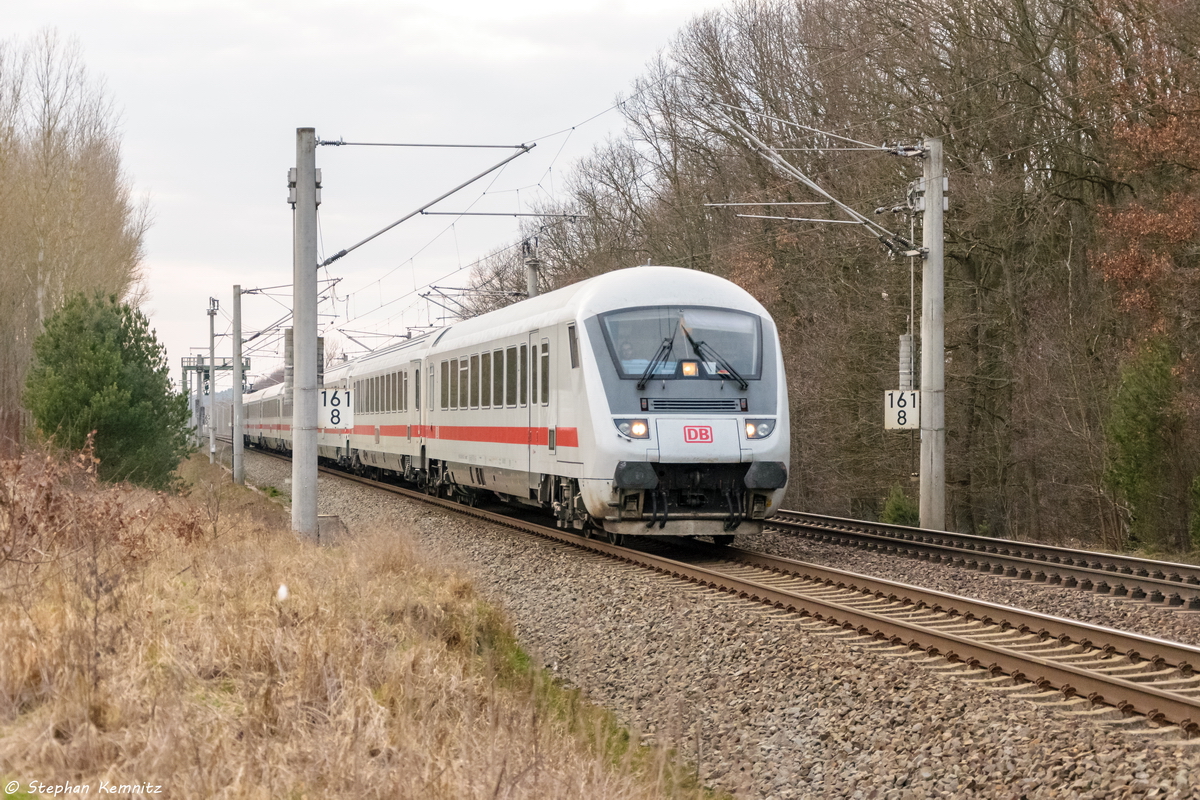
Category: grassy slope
[143,640]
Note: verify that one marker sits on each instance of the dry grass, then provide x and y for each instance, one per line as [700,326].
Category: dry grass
[144,642]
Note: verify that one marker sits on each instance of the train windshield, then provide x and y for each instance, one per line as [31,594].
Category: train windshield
[684,342]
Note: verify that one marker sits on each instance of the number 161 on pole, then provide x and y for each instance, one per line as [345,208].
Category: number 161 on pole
[335,410]
[902,410]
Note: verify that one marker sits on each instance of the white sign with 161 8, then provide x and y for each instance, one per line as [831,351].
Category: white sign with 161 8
[902,410]
[335,409]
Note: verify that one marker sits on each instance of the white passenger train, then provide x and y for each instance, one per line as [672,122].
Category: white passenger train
[650,400]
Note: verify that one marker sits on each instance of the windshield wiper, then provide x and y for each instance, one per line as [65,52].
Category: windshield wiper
[660,357]
[703,350]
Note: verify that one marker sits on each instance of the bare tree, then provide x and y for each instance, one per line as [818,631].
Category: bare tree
[68,222]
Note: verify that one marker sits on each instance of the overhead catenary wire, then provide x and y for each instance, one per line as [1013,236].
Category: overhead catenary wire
[769,203]
[497,214]
[864,145]
[525,149]
[342,143]
[892,241]
[569,131]
[802,219]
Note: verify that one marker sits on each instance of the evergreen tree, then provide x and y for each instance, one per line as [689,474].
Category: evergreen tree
[1145,459]
[900,509]
[100,368]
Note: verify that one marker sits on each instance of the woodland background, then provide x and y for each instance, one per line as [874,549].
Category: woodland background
[1071,131]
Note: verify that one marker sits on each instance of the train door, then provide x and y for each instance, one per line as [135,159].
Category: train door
[417,416]
[541,424]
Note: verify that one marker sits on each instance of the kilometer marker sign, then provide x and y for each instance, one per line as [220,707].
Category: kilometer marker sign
[902,410]
[335,409]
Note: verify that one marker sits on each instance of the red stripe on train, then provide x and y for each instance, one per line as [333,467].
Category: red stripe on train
[487,434]
[566,437]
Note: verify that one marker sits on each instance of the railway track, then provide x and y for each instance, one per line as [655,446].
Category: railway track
[1165,583]
[1145,685]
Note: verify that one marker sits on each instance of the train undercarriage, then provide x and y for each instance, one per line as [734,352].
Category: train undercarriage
[644,498]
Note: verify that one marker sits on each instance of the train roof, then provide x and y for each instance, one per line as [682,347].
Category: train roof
[623,288]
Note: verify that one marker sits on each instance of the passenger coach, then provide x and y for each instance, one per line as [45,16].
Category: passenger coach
[649,400]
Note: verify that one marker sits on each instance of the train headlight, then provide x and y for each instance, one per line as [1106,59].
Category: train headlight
[759,428]
[633,428]
[691,369]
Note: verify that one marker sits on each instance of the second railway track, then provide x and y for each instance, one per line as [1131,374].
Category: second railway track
[1168,584]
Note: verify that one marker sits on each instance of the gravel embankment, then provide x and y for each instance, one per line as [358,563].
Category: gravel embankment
[764,705]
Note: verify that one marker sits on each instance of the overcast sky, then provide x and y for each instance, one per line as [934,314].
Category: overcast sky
[210,95]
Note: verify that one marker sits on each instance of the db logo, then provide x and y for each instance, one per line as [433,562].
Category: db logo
[698,434]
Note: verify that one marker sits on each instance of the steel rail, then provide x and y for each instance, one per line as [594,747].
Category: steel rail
[1181,656]
[1158,582]
[1129,696]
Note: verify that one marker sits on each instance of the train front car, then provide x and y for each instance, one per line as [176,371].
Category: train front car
[693,438]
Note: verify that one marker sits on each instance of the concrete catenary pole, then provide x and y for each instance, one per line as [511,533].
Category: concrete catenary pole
[212,378]
[933,363]
[239,470]
[532,267]
[304,315]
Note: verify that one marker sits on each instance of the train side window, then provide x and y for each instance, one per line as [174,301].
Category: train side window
[474,381]
[404,391]
[485,380]
[417,388]
[498,378]
[510,378]
[454,383]
[533,376]
[357,410]
[445,385]
[573,345]
[463,380]
[524,367]
[392,405]
[545,372]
